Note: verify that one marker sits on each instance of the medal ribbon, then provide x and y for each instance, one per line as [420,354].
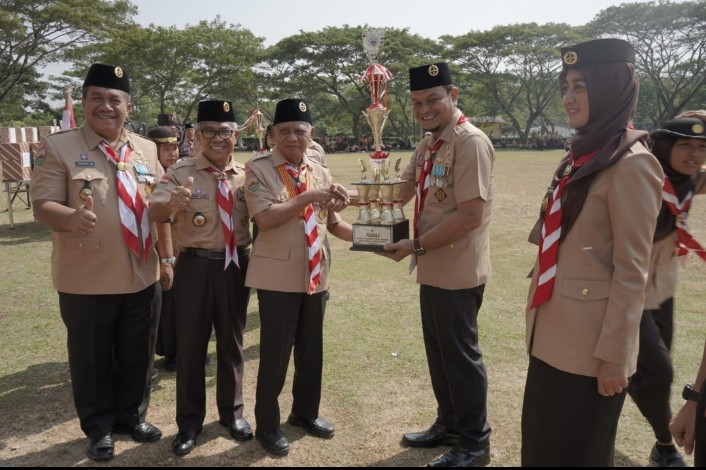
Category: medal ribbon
[680,210]
[224,199]
[551,234]
[311,230]
[131,207]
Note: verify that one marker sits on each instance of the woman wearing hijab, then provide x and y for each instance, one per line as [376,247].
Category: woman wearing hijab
[588,286]
[680,147]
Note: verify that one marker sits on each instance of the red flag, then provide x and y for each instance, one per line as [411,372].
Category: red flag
[67,118]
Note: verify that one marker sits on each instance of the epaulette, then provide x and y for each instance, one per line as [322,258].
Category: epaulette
[261,155]
[135,134]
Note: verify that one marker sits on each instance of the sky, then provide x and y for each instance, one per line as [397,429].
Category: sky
[277,19]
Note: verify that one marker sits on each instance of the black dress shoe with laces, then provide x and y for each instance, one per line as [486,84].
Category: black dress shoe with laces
[275,443]
[100,448]
[239,429]
[184,442]
[143,432]
[436,435]
[462,457]
[318,427]
[666,456]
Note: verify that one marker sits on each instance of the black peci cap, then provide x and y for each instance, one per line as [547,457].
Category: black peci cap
[292,109]
[168,120]
[188,125]
[429,76]
[597,51]
[107,76]
[215,110]
[683,128]
[163,135]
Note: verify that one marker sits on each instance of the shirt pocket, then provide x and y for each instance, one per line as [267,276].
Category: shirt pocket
[87,179]
[271,250]
[81,243]
[586,290]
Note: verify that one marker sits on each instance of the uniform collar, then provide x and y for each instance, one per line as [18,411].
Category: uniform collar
[202,163]
[448,131]
[93,139]
[278,159]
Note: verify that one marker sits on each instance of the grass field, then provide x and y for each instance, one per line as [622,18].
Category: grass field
[376,382]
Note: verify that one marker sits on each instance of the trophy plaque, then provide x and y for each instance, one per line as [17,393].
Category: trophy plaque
[380,216]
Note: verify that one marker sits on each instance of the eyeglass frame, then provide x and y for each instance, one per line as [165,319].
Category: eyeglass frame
[218,132]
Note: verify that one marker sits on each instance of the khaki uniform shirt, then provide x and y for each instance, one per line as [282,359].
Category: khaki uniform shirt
[199,224]
[596,305]
[469,156]
[664,268]
[279,259]
[100,263]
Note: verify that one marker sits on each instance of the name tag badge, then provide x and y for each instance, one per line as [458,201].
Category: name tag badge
[200,196]
[84,164]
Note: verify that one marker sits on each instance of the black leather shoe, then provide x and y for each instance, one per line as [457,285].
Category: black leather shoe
[170,364]
[318,427]
[184,442]
[460,457]
[275,443]
[143,432]
[436,435]
[101,448]
[155,374]
[666,456]
[239,429]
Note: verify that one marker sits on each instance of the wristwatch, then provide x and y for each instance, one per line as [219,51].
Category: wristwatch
[171,260]
[689,393]
[418,250]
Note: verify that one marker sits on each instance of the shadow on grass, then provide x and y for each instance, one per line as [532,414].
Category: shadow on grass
[25,232]
[622,460]
[410,457]
[35,400]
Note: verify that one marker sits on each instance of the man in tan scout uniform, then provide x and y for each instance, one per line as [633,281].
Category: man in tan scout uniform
[204,195]
[291,198]
[104,265]
[452,170]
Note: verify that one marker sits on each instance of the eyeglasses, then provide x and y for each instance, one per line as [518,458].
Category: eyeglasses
[222,133]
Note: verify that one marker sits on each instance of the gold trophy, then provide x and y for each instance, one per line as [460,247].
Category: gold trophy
[380,217]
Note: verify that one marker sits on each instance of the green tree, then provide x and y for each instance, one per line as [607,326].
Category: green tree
[36,32]
[670,49]
[516,67]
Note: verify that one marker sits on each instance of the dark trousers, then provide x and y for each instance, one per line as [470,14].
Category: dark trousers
[288,319]
[155,313]
[166,334]
[565,422]
[458,375]
[651,385]
[108,344]
[207,297]
[700,432]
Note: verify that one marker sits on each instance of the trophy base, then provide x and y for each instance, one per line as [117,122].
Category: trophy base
[373,237]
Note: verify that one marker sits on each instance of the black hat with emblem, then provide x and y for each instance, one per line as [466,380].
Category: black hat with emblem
[215,110]
[107,76]
[163,135]
[168,120]
[292,109]
[188,125]
[429,76]
[597,51]
[682,128]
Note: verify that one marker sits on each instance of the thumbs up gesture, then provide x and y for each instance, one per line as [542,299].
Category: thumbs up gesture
[181,195]
[83,220]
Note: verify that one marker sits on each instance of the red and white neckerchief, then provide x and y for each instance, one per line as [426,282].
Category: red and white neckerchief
[425,178]
[551,234]
[680,210]
[311,230]
[224,199]
[132,209]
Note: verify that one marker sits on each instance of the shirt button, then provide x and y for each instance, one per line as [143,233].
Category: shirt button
[451,245]
[585,292]
[80,244]
[272,253]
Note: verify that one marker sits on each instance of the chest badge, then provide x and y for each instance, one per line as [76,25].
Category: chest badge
[199,220]
[440,195]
